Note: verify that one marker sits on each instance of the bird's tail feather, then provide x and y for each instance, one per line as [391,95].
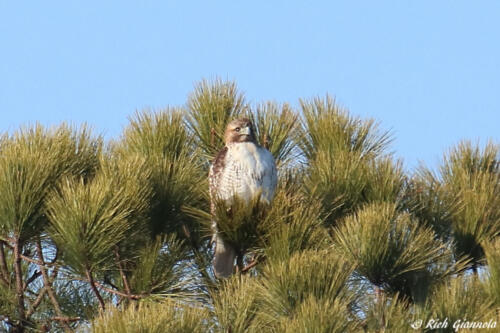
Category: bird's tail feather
[223,258]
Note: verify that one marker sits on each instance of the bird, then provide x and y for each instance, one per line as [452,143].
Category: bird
[242,169]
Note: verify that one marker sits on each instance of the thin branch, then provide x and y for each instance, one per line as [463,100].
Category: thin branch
[4,271]
[28,259]
[90,279]
[112,291]
[38,262]
[66,319]
[40,296]
[18,272]
[36,303]
[48,285]
[249,266]
[54,273]
[119,293]
[122,273]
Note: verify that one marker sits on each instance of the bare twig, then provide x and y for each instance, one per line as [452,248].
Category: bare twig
[90,279]
[122,273]
[28,259]
[4,271]
[54,273]
[66,319]
[113,291]
[18,272]
[48,285]
[249,266]
[119,293]
[36,303]
[40,296]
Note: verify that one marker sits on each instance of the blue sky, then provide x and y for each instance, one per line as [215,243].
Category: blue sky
[427,70]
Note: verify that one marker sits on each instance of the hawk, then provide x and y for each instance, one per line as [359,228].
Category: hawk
[243,169]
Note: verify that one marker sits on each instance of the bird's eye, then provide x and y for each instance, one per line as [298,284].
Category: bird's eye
[237,129]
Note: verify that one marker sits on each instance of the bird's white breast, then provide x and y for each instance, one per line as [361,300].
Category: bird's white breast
[249,170]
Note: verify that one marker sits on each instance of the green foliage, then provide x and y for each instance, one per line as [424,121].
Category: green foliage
[176,169]
[293,225]
[492,283]
[241,224]
[160,269]
[460,298]
[75,299]
[115,236]
[166,316]
[393,251]
[466,194]
[32,161]
[287,285]
[235,304]
[8,298]
[347,160]
[327,127]
[391,314]
[157,134]
[386,181]
[88,219]
[426,199]
[319,316]
[212,105]
[276,128]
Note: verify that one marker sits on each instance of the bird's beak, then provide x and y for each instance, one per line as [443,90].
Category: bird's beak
[245,131]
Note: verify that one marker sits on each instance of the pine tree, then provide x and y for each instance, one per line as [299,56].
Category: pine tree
[115,236]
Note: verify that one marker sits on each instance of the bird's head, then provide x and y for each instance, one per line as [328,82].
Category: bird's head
[239,130]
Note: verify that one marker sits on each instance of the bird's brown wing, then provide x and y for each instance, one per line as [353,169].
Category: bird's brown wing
[214,176]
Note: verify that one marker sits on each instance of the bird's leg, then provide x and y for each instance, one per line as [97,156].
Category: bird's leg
[214,234]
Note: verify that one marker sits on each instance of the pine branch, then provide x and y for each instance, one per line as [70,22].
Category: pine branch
[122,273]
[4,271]
[251,265]
[48,285]
[66,319]
[119,293]
[93,284]
[37,302]
[29,259]
[113,291]
[18,272]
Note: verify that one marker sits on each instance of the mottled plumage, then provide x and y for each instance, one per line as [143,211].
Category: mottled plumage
[244,169]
